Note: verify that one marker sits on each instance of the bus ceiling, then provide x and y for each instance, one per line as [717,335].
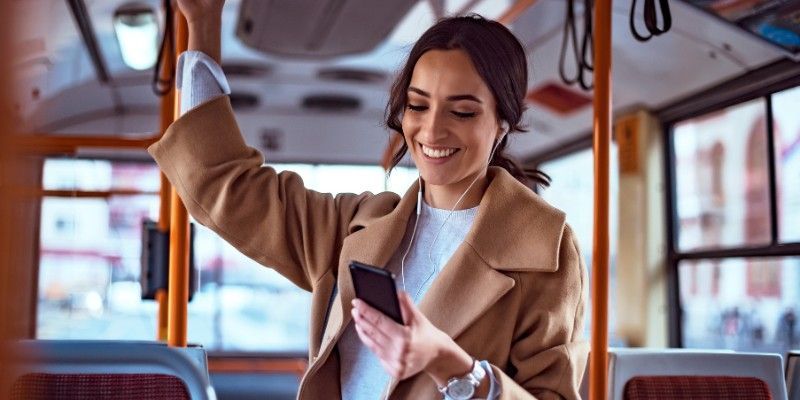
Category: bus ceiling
[279,57]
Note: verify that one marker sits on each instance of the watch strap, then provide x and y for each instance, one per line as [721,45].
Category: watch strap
[474,377]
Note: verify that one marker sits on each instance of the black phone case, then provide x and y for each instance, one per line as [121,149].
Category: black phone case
[376,287]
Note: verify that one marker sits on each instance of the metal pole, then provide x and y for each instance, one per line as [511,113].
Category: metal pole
[179,231]
[165,191]
[598,363]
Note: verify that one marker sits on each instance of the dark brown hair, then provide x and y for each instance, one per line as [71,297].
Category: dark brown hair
[500,61]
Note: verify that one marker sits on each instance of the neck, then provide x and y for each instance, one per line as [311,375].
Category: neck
[446,196]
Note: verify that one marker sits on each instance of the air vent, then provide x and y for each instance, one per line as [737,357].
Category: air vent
[331,103]
[244,101]
[352,75]
[244,70]
[558,98]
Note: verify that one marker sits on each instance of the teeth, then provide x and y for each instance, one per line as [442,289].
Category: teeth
[436,153]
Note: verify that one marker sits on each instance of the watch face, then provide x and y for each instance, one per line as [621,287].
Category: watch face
[461,389]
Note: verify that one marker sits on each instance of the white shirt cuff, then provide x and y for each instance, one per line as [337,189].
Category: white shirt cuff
[199,79]
[494,385]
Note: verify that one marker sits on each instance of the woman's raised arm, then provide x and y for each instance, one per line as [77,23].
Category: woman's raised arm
[204,18]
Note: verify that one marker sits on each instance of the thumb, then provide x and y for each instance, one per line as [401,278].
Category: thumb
[407,307]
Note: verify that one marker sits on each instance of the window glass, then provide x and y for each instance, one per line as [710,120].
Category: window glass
[82,174]
[337,179]
[746,304]
[89,269]
[722,180]
[573,193]
[90,262]
[786,127]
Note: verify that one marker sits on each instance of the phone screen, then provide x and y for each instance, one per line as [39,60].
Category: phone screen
[376,287]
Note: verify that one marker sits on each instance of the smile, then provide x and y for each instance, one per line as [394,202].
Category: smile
[439,152]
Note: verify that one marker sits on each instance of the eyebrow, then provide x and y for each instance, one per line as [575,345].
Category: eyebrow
[456,97]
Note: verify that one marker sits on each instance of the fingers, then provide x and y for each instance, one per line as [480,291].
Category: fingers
[371,327]
[377,319]
[393,365]
[387,339]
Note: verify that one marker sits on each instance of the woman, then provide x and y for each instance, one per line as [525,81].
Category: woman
[493,284]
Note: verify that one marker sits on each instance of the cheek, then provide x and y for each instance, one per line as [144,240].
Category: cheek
[409,128]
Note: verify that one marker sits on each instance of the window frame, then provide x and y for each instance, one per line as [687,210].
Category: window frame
[761,83]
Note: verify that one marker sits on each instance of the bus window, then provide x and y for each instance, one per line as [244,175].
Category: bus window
[737,289]
[743,304]
[787,128]
[572,193]
[90,265]
[722,180]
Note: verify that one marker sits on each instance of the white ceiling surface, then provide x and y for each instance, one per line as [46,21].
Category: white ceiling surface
[698,52]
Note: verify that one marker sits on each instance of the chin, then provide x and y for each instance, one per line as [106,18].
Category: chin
[438,179]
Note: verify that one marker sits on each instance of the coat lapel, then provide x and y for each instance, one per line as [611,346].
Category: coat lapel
[465,288]
[372,242]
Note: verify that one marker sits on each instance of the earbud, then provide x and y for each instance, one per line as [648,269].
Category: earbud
[419,195]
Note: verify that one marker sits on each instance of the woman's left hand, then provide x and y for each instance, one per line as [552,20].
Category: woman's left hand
[405,350]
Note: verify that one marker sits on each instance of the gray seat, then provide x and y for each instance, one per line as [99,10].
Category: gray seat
[97,358]
[793,374]
[624,364]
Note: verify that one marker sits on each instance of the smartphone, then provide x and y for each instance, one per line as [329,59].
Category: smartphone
[376,287]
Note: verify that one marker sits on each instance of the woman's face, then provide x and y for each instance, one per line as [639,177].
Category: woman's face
[449,123]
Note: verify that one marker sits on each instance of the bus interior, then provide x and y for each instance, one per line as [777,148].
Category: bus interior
[703,173]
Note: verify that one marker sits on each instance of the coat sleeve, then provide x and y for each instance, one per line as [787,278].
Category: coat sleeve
[548,355]
[270,217]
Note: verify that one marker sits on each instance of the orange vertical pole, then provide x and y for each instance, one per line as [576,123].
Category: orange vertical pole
[598,364]
[165,192]
[179,231]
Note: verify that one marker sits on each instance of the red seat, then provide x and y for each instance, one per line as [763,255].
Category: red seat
[696,388]
[41,386]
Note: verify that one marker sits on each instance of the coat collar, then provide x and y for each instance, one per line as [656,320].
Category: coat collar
[514,230]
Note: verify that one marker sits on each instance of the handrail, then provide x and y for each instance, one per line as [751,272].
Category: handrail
[81,194]
[178,291]
[598,364]
[165,191]
[222,364]
[44,144]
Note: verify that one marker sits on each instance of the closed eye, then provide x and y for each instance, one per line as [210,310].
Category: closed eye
[463,114]
[417,108]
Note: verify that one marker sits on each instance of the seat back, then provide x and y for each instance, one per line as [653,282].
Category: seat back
[106,370]
[793,374]
[627,364]
[696,388]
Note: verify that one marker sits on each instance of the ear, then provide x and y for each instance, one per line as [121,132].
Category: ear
[504,128]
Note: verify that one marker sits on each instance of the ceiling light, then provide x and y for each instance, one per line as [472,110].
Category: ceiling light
[137,33]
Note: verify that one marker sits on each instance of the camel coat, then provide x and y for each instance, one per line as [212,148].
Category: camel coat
[513,292]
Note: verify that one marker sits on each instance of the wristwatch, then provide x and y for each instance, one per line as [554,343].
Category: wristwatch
[463,387]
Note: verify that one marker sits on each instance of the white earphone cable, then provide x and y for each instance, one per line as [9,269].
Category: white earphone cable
[439,231]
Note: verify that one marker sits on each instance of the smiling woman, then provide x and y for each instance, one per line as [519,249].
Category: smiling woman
[492,282]
[478,70]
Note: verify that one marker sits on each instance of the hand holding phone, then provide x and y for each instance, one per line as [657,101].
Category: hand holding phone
[376,287]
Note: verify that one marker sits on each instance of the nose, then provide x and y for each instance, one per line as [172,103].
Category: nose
[432,128]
